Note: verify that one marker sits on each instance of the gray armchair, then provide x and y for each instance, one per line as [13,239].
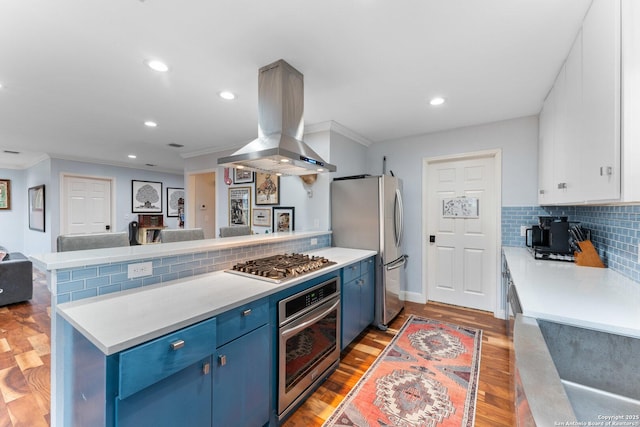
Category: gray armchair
[78,242]
[181,234]
[16,278]
[240,230]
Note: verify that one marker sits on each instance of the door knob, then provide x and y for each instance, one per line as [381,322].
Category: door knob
[107,227]
[432,238]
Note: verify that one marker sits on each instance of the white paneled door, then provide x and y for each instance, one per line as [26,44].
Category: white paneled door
[461,209]
[86,205]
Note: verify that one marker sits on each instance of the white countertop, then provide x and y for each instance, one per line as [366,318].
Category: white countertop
[58,260]
[119,321]
[587,297]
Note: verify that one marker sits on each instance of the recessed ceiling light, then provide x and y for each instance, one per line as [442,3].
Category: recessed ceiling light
[225,94]
[239,167]
[158,66]
[132,156]
[284,160]
[438,100]
[150,124]
[0,85]
[320,170]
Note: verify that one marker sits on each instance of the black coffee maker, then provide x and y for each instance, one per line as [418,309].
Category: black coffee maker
[551,235]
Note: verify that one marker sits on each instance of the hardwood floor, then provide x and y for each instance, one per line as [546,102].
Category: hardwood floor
[25,359]
[25,364]
[494,406]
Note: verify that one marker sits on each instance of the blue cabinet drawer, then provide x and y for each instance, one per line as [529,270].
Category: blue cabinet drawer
[149,363]
[367,266]
[241,320]
[351,272]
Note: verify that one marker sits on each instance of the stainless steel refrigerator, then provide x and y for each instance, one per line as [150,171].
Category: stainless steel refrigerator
[367,213]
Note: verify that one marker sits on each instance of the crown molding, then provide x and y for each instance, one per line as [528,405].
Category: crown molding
[334,126]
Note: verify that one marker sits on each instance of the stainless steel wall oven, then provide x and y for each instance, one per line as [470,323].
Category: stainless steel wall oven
[309,341]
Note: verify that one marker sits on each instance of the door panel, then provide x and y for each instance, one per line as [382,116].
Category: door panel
[461,263]
[87,205]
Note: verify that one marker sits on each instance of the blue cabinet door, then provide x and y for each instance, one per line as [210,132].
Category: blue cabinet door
[350,312]
[367,293]
[241,395]
[182,399]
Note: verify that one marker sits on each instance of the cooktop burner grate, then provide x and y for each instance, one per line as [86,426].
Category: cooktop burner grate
[277,268]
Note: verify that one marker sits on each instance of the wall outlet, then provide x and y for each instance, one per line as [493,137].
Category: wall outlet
[523,230]
[140,269]
[314,241]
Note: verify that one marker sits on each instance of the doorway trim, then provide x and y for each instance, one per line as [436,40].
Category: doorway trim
[496,154]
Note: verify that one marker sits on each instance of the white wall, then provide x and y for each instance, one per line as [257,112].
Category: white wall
[518,140]
[13,222]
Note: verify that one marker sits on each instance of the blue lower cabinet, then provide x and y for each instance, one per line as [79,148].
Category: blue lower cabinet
[358,290]
[182,399]
[241,381]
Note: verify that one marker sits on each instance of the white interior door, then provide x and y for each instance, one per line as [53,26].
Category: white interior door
[86,205]
[462,259]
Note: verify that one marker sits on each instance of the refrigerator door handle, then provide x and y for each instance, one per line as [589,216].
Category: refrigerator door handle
[397,263]
[398,218]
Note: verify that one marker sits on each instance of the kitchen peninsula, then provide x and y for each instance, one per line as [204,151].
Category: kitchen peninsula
[185,288]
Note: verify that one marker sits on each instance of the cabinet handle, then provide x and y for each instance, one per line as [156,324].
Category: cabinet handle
[176,345]
[562,185]
[360,282]
[206,368]
[608,170]
[246,312]
[354,267]
[222,360]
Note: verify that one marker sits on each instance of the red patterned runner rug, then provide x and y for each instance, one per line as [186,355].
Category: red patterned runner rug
[427,376]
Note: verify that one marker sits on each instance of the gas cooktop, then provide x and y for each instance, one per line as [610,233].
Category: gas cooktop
[279,268]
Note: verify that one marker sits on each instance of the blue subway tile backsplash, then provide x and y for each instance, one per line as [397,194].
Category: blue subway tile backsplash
[615,231]
[84,282]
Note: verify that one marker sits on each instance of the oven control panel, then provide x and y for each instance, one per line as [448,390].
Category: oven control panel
[303,301]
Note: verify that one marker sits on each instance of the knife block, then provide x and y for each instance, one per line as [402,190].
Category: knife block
[588,257]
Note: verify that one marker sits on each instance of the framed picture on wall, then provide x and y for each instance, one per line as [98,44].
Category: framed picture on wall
[146,197]
[175,201]
[239,206]
[283,219]
[241,176]
[5,194]
[36,208]
[267,189]
[262,217]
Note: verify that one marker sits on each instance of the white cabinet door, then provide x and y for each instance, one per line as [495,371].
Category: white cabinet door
[571,148]
[545,151]
[601,101]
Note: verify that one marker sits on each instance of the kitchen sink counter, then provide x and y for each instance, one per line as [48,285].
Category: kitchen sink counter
[119,321]
[587,297]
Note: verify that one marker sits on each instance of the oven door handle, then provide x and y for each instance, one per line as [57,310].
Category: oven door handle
[303,325]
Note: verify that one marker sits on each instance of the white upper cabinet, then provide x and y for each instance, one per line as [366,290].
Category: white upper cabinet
[581,161]
[601,101]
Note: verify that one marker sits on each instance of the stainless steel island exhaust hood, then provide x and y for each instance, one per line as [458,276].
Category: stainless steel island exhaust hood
[279,147]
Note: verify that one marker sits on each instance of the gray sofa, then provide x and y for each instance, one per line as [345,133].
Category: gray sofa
[16,278]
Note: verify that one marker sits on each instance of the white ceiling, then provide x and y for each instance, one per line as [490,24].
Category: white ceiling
[75,84]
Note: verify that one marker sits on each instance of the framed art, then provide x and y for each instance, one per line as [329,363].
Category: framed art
[5,194]
[283,219]
[175,201]
[241,176]
[267,189]
[36,208]
[239,206]
[146,197]
[460,207]
[261,217]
